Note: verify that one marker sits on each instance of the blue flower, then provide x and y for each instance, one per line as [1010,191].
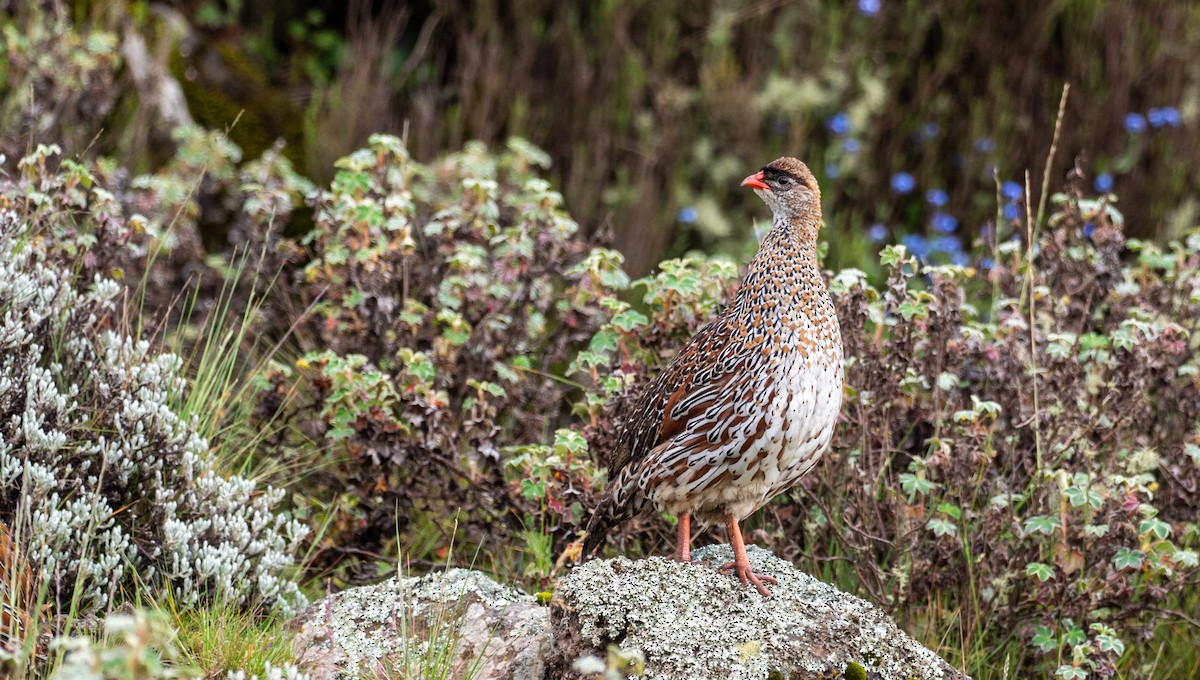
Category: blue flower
[930,130]
[943,223]
[986,263]
[936,197]
[1088,229]
[985,232]
[838,123]
[877,232]
[831,170]
[870,7]
[779,125]
[1010,211]
[903,183]
[985,145]
[961,259]
[1104,182]
[851,146]
[687,215]
[916,244]
[1011,190]
[945,244]
[1135,123]
[1166,116]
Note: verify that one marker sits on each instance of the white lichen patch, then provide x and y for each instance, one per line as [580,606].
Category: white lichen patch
[692,622]
[371,627]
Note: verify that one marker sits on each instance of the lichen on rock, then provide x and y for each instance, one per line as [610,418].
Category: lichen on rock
[692,622]
[486,629]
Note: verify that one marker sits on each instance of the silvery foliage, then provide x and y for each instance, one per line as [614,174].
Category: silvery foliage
[100,479]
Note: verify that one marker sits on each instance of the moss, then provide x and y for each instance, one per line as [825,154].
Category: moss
[855,672]
[222,84]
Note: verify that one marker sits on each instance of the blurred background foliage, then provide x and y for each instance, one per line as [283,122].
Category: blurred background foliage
[651,111]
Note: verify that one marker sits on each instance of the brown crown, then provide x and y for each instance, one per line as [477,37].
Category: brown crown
[795,168]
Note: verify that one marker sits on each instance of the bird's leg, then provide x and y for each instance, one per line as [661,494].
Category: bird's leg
[683,538]
[741,561]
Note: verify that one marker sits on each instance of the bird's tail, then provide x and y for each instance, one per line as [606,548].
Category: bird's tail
[604,518]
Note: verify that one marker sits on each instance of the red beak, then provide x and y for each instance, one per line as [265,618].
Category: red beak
[755,181]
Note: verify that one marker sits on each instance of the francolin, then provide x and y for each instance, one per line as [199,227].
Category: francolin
[749,404]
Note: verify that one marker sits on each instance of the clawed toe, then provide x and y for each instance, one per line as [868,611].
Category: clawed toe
[748,577]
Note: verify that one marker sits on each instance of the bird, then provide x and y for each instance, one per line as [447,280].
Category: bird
[750,403]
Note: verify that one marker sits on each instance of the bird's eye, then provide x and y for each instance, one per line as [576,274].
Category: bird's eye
[785,181]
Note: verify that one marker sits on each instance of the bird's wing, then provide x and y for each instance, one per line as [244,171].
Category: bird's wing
[682,397]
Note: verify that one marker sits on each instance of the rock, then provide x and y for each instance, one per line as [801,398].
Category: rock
[691,622]
[683,620]
[460,622]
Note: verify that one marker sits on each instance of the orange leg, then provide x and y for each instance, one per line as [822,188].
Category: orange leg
[741,562]
[683,538]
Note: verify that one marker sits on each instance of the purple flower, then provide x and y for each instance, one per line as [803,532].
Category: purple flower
[943,223]
[851,146]
[903,183]
[1167,116]
[1011,190]
[779,125]
[877,232]
[936,197]
[1104,182]
[1135,123]
[1010,211]
[985,145]
[839,123]
[870,7]
[687,215]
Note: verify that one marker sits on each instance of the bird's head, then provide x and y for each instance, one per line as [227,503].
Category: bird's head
[788,187]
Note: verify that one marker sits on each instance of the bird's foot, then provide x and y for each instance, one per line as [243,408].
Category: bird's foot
[746,573]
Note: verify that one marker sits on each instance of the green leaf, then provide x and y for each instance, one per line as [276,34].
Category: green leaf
[1076,495]
[1188,559]
[914,485]
[1110,643]
[629,320]
[911,308]
[1075,635]
[603,341]
[950,509]
[893,255]
[533,489]
[1042,572]
[1042,524]
[1128,559]
[941,527]
[1043,638]
[1154,526]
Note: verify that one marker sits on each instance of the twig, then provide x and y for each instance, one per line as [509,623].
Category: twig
[1062,107]
[1029,277]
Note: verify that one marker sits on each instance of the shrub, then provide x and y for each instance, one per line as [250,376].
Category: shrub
[1019,441]
[101,480]
[445,299]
